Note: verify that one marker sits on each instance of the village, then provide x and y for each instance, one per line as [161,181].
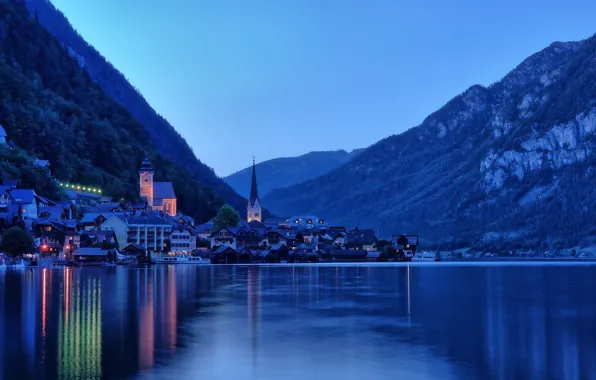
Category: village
[90,228]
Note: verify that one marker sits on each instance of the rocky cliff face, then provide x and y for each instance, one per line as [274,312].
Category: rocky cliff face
[511,163]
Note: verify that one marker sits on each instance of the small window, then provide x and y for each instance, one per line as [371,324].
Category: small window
[146,180]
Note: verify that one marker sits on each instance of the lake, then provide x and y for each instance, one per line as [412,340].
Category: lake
[426,321]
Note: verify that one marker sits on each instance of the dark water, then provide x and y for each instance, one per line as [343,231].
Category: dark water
[432,321]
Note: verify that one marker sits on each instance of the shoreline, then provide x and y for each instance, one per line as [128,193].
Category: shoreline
[444,262]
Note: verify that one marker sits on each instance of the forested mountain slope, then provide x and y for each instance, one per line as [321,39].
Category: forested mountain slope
[50,107]
[167,141]
[508,165]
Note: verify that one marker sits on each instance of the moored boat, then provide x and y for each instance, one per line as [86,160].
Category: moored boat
[425,256]
[182,260]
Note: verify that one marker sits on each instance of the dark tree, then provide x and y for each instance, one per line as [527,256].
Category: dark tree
[226,217]
[16,241]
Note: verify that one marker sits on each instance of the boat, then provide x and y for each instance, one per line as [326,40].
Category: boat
[425,256]
[20,265]
[182,260]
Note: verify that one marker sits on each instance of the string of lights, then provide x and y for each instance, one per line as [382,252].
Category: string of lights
[80,187]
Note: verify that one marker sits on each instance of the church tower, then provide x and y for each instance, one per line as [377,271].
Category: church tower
[146,181]
[254,203]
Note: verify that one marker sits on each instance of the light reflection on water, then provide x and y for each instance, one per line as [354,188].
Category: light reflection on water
[316,322]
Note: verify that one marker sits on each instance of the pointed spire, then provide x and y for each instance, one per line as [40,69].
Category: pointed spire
[146,165]
[254,193]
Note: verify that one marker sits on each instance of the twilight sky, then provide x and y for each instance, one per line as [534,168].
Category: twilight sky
[275,78]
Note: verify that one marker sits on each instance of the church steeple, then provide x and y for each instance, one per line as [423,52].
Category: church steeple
[146,181]
[254,193]
[254,203]
[146,166]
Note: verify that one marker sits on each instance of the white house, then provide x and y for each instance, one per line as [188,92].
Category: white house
[182,241]
[225,236]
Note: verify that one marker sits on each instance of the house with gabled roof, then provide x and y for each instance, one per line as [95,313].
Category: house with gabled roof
[249,237]
[183,239]
[361,239]
[184,220]
[44,164]
[204,230]
[28,202]
[273,237]
[223,254]
[225,237]
[93,220]
[52,212]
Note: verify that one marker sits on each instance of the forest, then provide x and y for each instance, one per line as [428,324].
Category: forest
[53,110]
[166,140]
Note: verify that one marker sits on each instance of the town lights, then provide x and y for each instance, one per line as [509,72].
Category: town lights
[79,187]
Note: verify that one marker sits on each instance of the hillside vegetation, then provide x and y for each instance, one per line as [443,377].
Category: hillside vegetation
[507,166]
[165,139]
[50,107]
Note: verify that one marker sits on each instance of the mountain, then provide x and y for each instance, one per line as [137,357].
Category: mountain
[50,107]
[288,171]
[509,165]
[167,142]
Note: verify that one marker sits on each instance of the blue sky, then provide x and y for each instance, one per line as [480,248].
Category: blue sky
[275,78]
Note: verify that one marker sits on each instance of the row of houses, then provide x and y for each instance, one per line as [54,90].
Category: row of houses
[283,240]
[89,220]
[96,221]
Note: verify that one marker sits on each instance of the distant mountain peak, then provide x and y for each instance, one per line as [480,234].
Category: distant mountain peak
[288,171]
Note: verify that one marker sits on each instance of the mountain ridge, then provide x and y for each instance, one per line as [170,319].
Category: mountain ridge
[438,178]
[287,171]
[166,139]
[53,110]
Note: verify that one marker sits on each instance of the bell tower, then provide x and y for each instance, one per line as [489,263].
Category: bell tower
[146,181]
[253,210]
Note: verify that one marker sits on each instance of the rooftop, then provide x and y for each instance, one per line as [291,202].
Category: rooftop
[147,220]
[163,190]
[25,196]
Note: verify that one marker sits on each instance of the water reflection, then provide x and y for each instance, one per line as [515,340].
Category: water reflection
[79,337]
[320,322]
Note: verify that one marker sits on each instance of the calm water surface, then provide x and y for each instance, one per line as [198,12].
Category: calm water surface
[432,321]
